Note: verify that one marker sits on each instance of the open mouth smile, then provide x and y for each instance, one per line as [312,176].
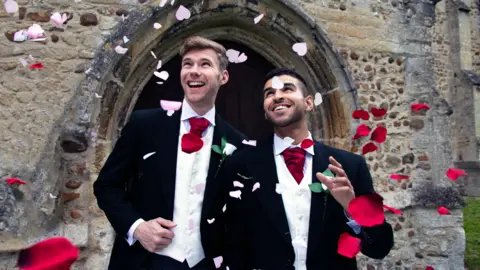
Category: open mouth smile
[280,107]
[195,84]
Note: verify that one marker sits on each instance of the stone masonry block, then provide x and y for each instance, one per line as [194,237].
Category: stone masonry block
[77,233]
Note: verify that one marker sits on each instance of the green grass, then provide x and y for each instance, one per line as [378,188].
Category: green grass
[472,231]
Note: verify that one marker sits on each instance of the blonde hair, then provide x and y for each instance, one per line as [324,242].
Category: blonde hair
[198,43]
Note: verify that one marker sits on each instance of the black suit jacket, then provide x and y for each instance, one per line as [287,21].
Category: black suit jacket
[129,187]
[258,235]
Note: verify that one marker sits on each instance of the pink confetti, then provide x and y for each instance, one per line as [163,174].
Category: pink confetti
[218,261]
[170,106]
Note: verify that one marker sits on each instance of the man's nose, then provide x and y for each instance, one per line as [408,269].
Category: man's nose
[278,96]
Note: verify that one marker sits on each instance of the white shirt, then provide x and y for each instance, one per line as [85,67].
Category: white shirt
[296,198]
[191,175]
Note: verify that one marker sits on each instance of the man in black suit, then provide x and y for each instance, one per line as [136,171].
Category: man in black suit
[275,221]
[164,217]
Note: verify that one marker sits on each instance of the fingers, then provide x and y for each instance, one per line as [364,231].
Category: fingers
[165,223]
[336,167]
[334,162]
[327,181]
[341,182]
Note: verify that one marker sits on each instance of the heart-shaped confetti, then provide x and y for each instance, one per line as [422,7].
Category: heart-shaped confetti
[256,186]
[235,56]
[162,75]
[258,18]
[378,112]
[157,26]
[369,147]
[224,208]
[210,221]
[182,13]
[300,48]
[120,50]
[318,99]
[399,177]
[277,83]
[236,194]
[237,184]
[11,6]
[418,107]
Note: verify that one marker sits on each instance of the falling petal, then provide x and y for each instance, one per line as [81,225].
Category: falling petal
[362,131]
[162,75]
[378,112]
[162,3]
[23,62]
[399,177]
[159,82]
[170,105]
[300,48]
[58,19]
[277,83]
[148,155]
[367,210]
[53,253]
[318,99]
[182,13]
[241,58]
[237,184]
[443,211]
[393,210]
[36,66]
[35,31]
[159,64]
[236,194]
[11,6]
[348,245]
[12,181]
[88,70]
[361,114]
[379,135]
[232,55]
[170,112]
[97,95]
[51,196]
[453,174]
[153,54]
[218,261]
[172,3]
[125,39]
[258,18]
[369,147]
[256,186]
[418,107]
[210,221]
[224,208]
[199,188]
[251,142]
[120,50]
[157,26]
[32,58]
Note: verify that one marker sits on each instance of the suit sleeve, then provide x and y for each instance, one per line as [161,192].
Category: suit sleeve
[235,255]
[376,241]
[110,186]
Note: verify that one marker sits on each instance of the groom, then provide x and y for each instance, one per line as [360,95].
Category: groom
[276,222]
[162,218]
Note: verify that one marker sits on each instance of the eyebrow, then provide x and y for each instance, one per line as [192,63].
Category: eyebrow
[201,59]
[284,84]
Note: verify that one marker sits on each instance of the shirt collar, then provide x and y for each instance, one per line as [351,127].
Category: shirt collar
[280,144]
[188,112]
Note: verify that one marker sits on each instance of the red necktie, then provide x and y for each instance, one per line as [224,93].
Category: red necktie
[295,159]
[192,141]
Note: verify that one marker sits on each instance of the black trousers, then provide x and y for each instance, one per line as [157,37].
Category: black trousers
[159,262]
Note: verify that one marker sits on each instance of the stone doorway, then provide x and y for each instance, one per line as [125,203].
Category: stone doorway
[239,102]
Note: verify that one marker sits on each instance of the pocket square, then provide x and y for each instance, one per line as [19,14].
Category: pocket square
[148,155]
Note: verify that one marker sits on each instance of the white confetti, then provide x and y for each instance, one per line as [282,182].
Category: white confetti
[318,99]
[172,3]
[300,48]
[182,13]
[251,142]
[153,54]
[51,196]
[277,83]
[23,62]
[121,50]
[162,3]
[157,26]
[256,186]
[237,184]
[88,70]
[224,208]
[148,155]
[218,261]
[11,6]
[58,18]
[159,82]
[125,39]
[162,75]
[97,95]
[258,18]
[123,18]
[234,56]
[210,221]
[236,194]
[159,64]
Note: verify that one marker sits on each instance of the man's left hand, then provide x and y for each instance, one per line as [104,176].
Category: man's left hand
[339,186]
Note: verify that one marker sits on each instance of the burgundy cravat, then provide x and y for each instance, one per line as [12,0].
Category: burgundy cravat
[192,141]
[295,161]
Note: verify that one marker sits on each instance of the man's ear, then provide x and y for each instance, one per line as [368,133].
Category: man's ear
[309,103]
[225,77]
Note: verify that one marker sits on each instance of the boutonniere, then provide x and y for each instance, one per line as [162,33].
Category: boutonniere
[319,187]
[224,150]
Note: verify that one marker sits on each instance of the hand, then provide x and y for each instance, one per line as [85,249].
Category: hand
[339,186]
[154,234]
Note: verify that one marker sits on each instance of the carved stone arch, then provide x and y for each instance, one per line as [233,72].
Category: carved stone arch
[283,25]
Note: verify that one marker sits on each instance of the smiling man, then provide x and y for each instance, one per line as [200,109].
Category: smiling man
[277,222]
[159,187]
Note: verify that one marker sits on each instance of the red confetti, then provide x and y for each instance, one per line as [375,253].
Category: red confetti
[369,147]
[54,253]
[378,112]
[418,107]
[453,174]
[306,143]
[367,210]
[191,143]
[393,210]
[362,131]
[348,245]
[443,211]
[36,65]
[429,268]
[379,135]
[399,176]
[13,181]
[360,114]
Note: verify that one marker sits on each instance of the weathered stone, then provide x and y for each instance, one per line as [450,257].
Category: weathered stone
[397,227]
[75,214]
[408,158]
[392,161]
[417,124]
[72,184]
[70,196]
[354,56]
[88,19]
[77,234]
[54,38]
[21,12]
[121,12]
[40,16]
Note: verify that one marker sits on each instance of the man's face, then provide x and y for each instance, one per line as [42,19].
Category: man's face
[201,76]
[288,105]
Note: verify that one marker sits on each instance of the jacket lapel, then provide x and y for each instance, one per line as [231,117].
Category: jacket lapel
[167,142]
[213,183]
[319,209]
[266,174]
